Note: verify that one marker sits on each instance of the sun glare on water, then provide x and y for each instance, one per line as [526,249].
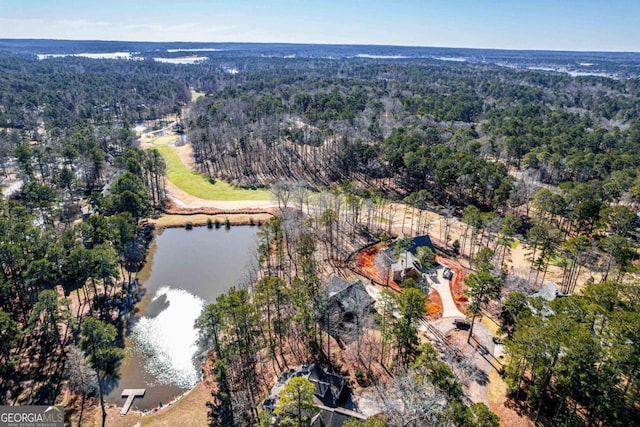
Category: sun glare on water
[169,339]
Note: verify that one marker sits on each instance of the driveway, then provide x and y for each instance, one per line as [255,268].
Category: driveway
[441,285]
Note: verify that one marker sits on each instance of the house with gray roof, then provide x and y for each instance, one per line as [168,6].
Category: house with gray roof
[349,309]
[407,265]
[331,394]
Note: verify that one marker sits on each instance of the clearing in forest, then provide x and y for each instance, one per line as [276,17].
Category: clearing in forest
[197,184]
[195,95]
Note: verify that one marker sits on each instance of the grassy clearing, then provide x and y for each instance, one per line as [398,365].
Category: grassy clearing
[190,410]
[197,184]
[164,140]
[497,387]
[493,327]
[514,243]
[195,95]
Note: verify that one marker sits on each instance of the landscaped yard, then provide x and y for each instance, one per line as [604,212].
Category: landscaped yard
[197,184]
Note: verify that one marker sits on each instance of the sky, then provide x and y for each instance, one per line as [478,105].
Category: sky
[591,25]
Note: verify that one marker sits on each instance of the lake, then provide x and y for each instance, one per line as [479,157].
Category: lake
[185,270]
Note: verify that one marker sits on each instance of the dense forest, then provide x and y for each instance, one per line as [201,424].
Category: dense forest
[540,156]
[66,134]
[405,124]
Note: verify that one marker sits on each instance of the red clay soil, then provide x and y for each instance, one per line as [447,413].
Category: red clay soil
[456,285]
[364,264]
[511,415]
[434,306]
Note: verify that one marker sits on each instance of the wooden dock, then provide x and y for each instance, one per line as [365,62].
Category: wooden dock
[130,394]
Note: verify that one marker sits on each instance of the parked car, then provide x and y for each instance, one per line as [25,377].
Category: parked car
[462,324]
[447,273]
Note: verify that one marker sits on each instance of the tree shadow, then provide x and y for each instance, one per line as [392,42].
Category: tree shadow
[479,376]
[110,383]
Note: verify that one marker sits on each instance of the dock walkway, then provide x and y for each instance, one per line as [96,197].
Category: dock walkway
[130,394]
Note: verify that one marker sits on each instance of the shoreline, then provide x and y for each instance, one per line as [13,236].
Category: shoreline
[178,220]
[178,412]
[172,220]
[147,412]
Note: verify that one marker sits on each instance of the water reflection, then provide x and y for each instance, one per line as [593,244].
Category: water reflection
[185,271]
[167,340]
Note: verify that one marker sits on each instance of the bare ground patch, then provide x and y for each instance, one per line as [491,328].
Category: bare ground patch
[173,221]
[189,410]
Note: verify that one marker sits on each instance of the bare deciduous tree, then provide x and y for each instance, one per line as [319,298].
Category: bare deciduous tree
[411,400]
[82,378]
[281,191]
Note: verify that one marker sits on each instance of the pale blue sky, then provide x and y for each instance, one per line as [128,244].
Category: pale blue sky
[610,25]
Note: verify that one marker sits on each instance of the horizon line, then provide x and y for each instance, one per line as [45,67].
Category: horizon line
[323,44]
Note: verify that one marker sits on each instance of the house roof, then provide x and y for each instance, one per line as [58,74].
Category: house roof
[329,386]
[547,291]
[406,261]
[337,285]
[331,391]
[329,417]
[419,241]
[348,296]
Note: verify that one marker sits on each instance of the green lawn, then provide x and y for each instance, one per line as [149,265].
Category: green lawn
[557,260]
[195,95]
[197,184]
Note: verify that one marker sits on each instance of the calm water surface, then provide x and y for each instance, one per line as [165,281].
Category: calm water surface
[184,271]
